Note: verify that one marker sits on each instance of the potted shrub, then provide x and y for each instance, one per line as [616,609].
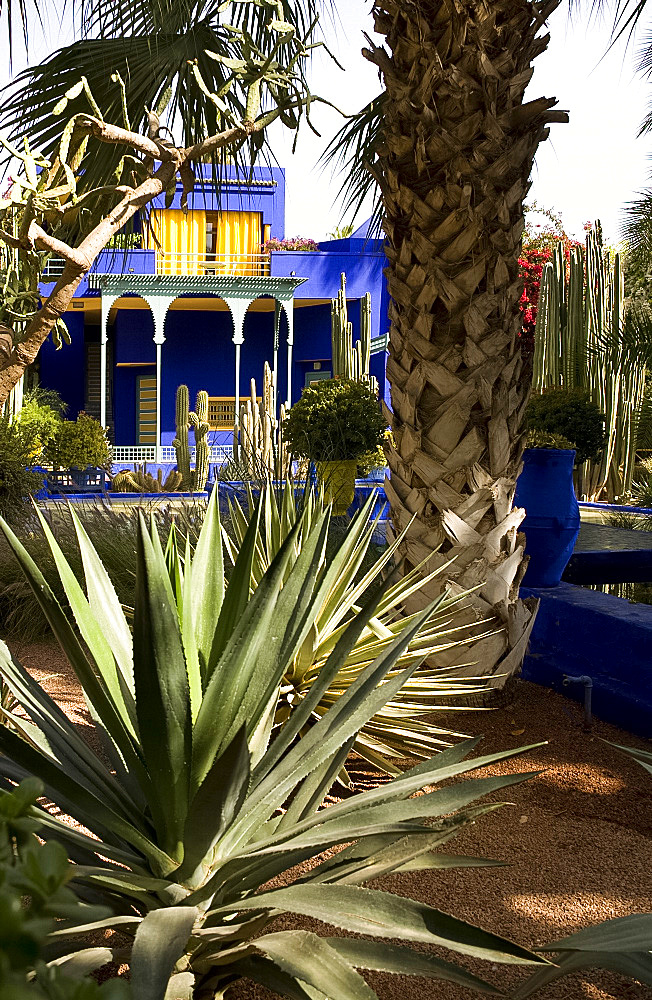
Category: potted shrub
[564,427]
[335,422]
[81,447]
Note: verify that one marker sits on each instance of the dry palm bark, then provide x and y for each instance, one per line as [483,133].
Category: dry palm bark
[458,148]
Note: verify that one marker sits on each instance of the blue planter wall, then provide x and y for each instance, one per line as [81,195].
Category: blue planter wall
[579,631]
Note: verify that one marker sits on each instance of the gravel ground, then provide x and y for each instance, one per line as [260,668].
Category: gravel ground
[577,839]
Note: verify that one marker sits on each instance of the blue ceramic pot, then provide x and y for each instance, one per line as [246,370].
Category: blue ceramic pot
[552,521]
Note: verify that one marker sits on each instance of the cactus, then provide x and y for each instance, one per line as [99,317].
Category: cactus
[192,479]
[578,344]
[257,434]
[201,428]
[124,482]
[351,360]
[141,481]
[180,443]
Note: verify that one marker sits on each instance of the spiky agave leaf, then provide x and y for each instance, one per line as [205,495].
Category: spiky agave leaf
[191,810]
[400,728]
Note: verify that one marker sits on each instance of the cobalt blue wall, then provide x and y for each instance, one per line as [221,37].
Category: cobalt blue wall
[132,335]
[579,631]
[267,197]
[64,370]
[199,352]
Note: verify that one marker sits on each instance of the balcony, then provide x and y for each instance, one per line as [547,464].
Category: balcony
[158,262]
[251,265]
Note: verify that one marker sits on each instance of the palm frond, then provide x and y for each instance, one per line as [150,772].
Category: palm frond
[353,153]
[160,49]
[626,14]
[637,226]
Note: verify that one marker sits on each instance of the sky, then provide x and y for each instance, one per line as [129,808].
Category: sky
[587,169]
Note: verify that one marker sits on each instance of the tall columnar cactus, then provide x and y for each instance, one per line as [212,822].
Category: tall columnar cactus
[180,443]
[258,436]
[199,420]
[365,331]
[341,335]
[350,360]
[579,344]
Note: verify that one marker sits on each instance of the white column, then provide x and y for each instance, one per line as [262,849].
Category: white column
[238,309]
[104,336]
[277,323]
[290,318]
[159,305]
[238,344]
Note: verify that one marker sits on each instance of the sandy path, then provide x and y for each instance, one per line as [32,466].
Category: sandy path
[578,839]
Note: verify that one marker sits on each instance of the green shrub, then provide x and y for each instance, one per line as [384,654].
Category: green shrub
[41,422]
[335,420]
[41,918]
[571,414]
[542,439]
[371,460]
[18,448]
[641,495]
[79,443]
[194,812]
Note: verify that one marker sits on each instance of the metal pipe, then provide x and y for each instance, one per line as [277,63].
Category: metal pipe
[588,688]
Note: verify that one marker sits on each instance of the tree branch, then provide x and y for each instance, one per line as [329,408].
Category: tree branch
[58,301]
[214,142]
[122,137]
[38,236]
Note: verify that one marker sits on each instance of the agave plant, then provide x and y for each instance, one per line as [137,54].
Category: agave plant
[191,809]
[401,728]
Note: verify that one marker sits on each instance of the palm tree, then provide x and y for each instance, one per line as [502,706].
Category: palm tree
[451,144]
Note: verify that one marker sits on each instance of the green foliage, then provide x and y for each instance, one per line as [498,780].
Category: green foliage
[19,447]
[40,422]
[78,444]
[371,461]
[113,530]
[342,232]
[586,339]
[543,439]
[193,811]
[641,495]
[35,900]
[571,414]
[335,420]
[403,728]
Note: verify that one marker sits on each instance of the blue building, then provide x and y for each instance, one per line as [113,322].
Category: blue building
[193,299]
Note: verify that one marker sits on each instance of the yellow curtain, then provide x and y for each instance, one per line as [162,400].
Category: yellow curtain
[182,241]
[239,235]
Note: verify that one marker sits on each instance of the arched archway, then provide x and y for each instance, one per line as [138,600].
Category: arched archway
[159,291]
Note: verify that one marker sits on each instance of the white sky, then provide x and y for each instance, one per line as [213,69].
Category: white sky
[587,169]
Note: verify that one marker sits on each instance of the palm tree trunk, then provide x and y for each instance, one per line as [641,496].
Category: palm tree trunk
[458,148]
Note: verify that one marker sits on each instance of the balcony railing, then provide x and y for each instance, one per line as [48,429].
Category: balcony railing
[218,453]
[241,264]
[140,262]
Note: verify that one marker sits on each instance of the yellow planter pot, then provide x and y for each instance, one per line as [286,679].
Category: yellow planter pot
[338,480]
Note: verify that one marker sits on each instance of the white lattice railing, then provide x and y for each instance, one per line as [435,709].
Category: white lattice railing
[147,453]
[244,264]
